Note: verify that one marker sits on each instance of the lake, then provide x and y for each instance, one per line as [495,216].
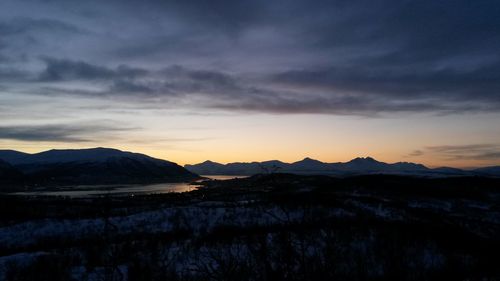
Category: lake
[122,190]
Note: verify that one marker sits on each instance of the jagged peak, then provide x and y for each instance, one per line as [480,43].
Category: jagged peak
[364,159]
[272,162]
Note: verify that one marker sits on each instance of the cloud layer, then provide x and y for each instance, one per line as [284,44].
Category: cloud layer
[467,152]
[329,57]
[68,133]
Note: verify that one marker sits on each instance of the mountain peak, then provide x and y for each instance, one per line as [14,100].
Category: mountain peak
[359,165]
[209,162]
[92,149]
[272,162]
[308,159]
[95,165]
[367,159]
[67,155]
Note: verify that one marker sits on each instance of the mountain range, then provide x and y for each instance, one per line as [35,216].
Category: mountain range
[112,166]
[360,165]
[87,166]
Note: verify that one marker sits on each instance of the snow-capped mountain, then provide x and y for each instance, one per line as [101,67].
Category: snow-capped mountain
[93,166]
[360,165]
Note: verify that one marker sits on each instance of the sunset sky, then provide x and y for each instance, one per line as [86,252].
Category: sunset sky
[228,80]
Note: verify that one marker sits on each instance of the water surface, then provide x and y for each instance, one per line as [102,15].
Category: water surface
[121,190]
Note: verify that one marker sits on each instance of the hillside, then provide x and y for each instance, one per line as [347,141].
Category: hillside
[93,166]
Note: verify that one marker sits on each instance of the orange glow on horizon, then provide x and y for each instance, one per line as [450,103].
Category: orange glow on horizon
[269,153]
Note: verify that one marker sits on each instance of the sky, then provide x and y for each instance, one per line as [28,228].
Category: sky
[254,80]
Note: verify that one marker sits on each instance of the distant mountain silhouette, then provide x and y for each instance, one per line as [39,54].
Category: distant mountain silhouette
[306,164]
[67,155]
[448,170]
[488,171]
[209,166]
[93,166]
[360,165]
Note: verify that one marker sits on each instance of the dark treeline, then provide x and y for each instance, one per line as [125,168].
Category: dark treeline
[273,227]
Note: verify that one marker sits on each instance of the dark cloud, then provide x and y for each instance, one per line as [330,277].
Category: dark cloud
[416,153]
[424,30]
[404,83]
[220,90]
[13,75]
[356,57]
[130,87]
[481,86]
[223,15]
[20,37]
[63,69]
[59,132]
[287,103]
[140,84]
[468,152]
[18,26]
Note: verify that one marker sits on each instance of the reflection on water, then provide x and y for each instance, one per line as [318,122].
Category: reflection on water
[223,177]
[114,190]
[121,190]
